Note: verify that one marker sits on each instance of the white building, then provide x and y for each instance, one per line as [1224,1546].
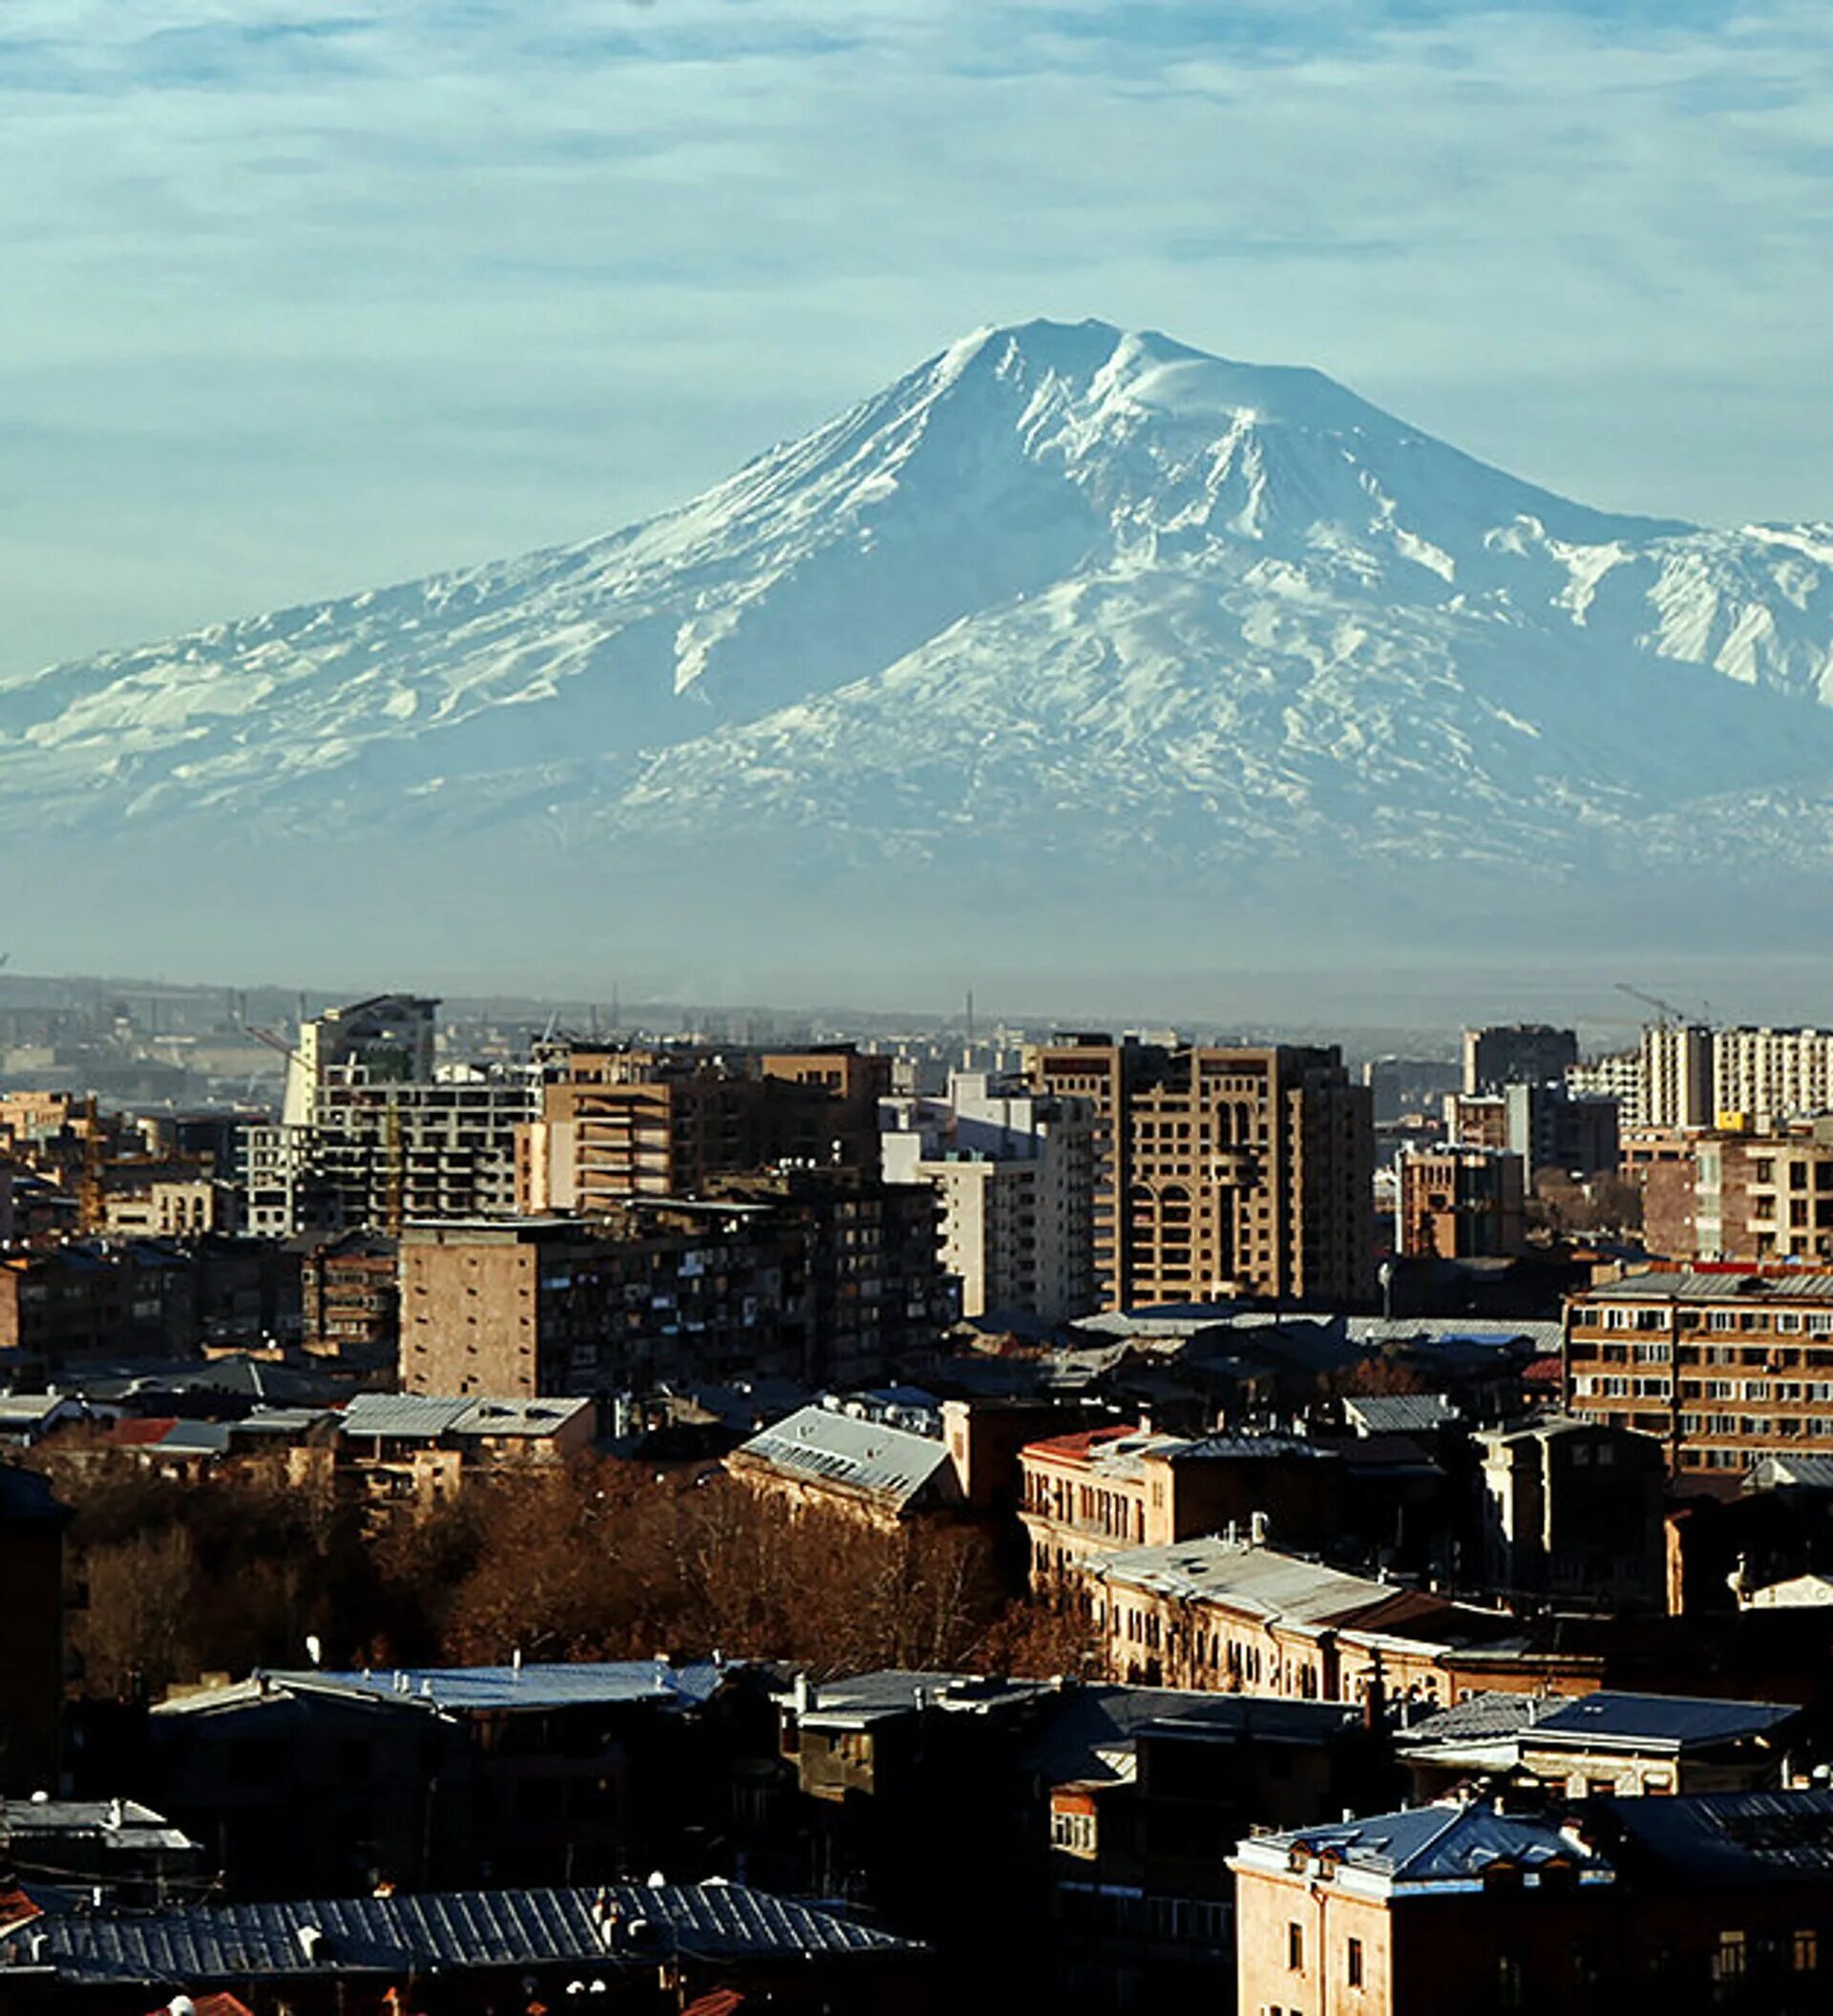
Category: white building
[1618,1077]
[1773,1076]
[1678,1088]
[1015,1176]
[387,1038]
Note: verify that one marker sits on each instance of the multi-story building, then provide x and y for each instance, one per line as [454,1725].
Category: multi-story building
[376,1153]
[1102,1491]
[1551,1127]
[1769,1077]
[1706,1901]
[349,1295]
[1226,1614]
[1523,1053]
[1753,1197]
[1222,1171]
[1721,1367]
[1677,1076]
[1571,1509]
[621,1122]
[385,1040]
[1616,1076]
[823,1276]
[1460,1204]
[1014,1175]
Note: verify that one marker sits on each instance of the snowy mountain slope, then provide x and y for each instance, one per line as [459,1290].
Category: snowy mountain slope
[1058,593]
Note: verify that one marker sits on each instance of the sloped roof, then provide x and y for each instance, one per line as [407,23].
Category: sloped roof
[823,1446]
[481,1688]
[1612,1719]
[1399,1413]
[449,1930]
[1450,1842]
[1736,1836]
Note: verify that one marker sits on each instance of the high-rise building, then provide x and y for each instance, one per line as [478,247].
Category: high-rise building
[380,1153]
[1523,1053]
[1617,1077]
[1769,1077]
[1014,1175]
[385,1040]
[1551,1128]
[1222,1171]
[1677,1076]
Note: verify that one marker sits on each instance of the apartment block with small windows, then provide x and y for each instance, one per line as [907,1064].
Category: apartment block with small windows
[1721,1366]
[1744,1197]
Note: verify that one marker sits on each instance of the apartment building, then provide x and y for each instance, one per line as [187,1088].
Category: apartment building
[1617,1077]
[1721,1366]
[1744,1197]
[1769,1077]
[1222,1171]
[1677,1076]
[1460,1204]
[822,1276]
[1014,1176]
[618,1121]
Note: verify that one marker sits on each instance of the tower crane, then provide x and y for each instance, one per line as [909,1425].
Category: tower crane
[1665,1009]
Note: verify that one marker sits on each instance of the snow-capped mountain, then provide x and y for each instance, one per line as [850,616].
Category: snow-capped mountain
[1063,602]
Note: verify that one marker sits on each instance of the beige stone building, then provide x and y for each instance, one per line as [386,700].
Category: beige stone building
[1222,1171]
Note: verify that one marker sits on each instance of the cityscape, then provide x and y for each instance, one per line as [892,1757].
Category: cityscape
[835,1518]
[916,1055]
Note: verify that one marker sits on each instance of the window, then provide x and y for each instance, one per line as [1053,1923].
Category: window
[1804,1955]
[1353,1969]
[1295,1946]
[1728,1964]
[1509,1981]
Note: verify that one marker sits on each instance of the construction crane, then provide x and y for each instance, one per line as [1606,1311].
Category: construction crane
[1665,1009]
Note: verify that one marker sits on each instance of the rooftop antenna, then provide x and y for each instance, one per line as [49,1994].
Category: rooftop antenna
[970,1018]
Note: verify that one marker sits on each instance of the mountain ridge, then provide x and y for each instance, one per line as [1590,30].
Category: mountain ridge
[1059,601]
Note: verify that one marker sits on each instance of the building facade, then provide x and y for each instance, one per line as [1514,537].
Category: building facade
[1460,1204]
[1014,1176]
[1221,1172]
[1721,1367]
[1523,1053]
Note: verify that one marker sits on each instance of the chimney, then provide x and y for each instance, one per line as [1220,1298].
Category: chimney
[1258,1525]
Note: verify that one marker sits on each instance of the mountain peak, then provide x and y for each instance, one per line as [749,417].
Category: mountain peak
[1062,592]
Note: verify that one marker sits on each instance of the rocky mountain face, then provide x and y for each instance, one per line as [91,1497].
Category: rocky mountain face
[1063,613]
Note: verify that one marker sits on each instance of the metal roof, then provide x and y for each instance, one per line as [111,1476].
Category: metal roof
[817,1444]
[1450,1842]
[1677,1284]
[426,1415]
[1774,1473]
[1257,1579]
[1752,1836]
[197,1946]
[486,1688]
[1399,1413]
[409,1414]
[1626,1721]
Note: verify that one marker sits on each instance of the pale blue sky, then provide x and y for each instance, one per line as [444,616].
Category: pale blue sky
[300,296]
